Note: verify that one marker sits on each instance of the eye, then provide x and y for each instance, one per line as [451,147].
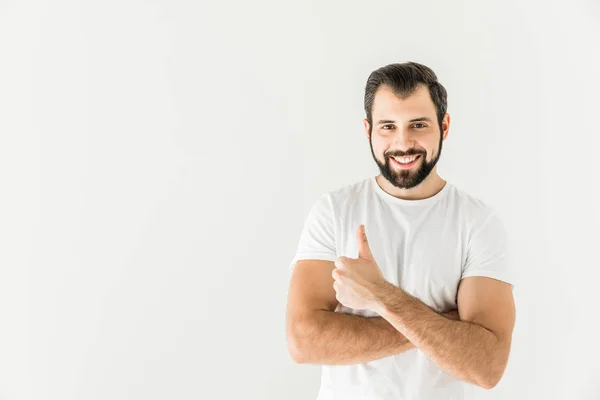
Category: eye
[384,127]
[422,125]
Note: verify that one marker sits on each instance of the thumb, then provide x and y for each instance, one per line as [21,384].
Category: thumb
[364,251]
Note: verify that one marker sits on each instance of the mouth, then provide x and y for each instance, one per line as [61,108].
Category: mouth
[405,162]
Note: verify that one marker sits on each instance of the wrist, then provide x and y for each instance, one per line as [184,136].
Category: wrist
[383,295]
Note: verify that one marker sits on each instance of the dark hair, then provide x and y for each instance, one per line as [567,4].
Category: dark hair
[404,79]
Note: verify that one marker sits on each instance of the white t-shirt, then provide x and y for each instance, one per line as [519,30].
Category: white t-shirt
[423,246]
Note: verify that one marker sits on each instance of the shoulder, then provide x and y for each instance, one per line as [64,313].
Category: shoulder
[475,211]
[347,194]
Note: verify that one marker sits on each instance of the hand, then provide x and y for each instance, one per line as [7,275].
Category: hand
[356,281]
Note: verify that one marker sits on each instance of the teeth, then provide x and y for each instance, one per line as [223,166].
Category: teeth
[405,160]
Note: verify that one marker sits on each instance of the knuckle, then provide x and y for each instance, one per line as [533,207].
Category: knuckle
[341,262]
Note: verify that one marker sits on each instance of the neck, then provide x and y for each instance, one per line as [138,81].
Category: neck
[429,187]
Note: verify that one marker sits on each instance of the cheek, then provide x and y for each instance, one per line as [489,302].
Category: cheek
[379,148]
[432,147]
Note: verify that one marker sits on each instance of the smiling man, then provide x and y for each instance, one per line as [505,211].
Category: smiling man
[400,285]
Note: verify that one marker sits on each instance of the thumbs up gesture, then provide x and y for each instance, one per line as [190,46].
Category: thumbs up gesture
[358,281]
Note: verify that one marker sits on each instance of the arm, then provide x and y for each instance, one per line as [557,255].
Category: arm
[317,334]
[475,348]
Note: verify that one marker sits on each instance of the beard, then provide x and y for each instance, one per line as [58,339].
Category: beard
[407,178]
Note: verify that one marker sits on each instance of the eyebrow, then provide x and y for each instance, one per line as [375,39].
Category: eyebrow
[391,121]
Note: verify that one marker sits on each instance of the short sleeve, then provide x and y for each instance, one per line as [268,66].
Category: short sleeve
[317,239]
[487,253]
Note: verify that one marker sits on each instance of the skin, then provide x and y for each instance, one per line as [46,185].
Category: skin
[472,344]
[474,348]
[316,334]
[404,134]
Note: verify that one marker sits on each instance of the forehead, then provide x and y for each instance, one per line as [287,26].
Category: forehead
[387,104]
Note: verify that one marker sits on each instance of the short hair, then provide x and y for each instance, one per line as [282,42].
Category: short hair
[404,79]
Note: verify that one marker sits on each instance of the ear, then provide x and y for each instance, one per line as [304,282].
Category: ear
[366,125]
[445,125]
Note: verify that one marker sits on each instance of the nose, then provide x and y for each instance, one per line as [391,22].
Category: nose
[403,139]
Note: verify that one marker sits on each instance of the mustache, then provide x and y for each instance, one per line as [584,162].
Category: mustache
[411,152]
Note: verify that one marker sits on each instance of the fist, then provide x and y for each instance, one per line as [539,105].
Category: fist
[357,280]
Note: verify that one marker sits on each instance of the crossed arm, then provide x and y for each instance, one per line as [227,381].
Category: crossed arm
[473,348]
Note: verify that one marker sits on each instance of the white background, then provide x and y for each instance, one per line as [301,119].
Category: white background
[158,158]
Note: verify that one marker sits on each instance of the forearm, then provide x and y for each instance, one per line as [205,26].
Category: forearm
[327,337]
[337,338]
[463,349]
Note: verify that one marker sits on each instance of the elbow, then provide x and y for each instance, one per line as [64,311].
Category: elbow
[295,350]
[490,378]
[489,383]
[296,344]
[297,357]
[492,369]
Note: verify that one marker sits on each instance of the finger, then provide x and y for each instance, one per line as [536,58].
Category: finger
[340,263]
[334,274]
[364,251]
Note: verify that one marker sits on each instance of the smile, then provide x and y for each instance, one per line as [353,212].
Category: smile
[405,162]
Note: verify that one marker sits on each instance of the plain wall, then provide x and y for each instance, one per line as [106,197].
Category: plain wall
[158,158]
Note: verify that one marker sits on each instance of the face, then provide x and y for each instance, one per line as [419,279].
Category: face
[405,139]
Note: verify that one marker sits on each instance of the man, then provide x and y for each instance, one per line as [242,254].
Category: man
[425,303]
